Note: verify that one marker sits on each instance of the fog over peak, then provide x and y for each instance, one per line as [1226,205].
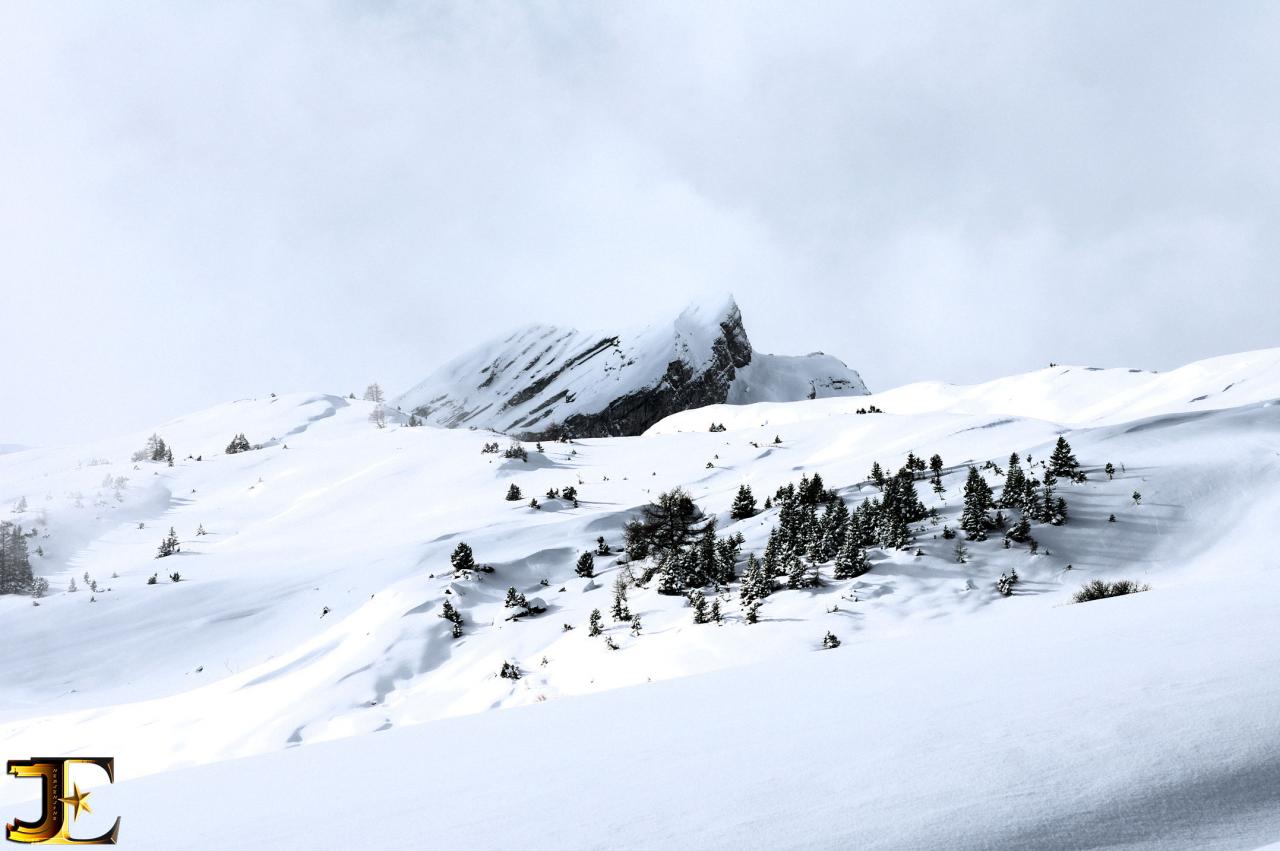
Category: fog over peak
[204,203]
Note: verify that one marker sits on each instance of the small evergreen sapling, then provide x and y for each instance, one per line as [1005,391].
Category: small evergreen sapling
[594,627]
[586,566]
[169,545]
[513,493]
[829,641]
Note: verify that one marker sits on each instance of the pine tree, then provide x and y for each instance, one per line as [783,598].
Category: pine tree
[1014,485]
[744,504]
[851,562]
[635,625]
[1137,498]
[513,493]
[602,549]
[699,603]
[751,614]
[169,545]
[594,624]
[877,475]
[830,530]
[71,586]
[15,563]
[756,582]
[1062,463]
[1053,509]
[586,566]
[200,530]
[168,456]
[830,642]
[715,615]
[515,599]
[797,575]
[1020,532]
[463,560]
[1110,470]
[935,465]
[977,499]
[620,611]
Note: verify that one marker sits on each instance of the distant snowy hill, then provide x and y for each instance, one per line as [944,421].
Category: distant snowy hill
[544,381]
[1072,395]
[950,715]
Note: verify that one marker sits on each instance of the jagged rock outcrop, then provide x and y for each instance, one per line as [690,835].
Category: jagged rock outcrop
[544,382]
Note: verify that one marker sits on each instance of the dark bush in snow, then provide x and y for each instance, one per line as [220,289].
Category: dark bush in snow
[1098,589]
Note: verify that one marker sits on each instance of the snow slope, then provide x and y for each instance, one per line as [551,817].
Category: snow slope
[1142,721]
[236,660]
[542,378]
[1071,395]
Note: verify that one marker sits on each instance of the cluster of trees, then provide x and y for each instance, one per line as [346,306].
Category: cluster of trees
[717,427]
[682,541]
[1035,500]
[568,494]
[169,545]
[871,410]
[15,563]
[453,616]
[239,443]
[155,450]
[515,450]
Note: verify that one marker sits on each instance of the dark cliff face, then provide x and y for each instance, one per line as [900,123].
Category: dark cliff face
[679,390]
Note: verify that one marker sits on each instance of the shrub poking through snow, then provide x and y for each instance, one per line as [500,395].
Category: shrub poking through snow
[1098,589]
[586,566]
[830,642]
[513,493]
[510,671]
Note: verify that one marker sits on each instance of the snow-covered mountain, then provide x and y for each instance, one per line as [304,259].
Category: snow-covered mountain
[543,381]
[310,612]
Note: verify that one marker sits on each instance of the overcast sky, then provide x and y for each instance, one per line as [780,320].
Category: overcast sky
[201,202]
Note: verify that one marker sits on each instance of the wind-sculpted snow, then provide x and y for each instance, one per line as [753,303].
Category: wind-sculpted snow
[543,381]
[310,612]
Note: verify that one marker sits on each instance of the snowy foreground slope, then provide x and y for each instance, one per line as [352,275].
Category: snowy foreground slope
[949,711]
[1148,720]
